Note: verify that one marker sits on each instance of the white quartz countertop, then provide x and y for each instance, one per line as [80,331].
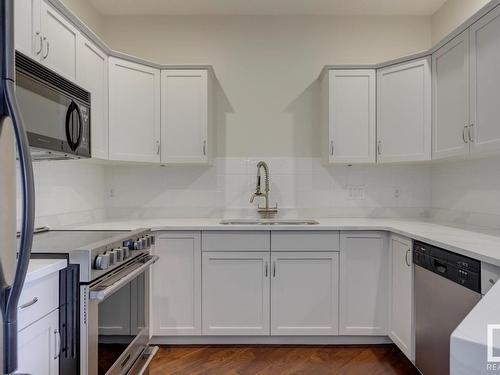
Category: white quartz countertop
[39,268]
[479,245]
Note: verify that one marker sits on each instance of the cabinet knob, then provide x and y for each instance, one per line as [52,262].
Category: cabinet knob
[204,148]
[379,147]
[464,134]
[332,147]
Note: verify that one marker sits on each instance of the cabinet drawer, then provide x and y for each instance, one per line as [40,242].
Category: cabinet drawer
[236,241]
[305,241]
[46,293]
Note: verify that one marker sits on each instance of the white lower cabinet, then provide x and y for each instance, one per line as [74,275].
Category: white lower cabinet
[304,293]
[39,345]
[177,284]
[236,293]
[364,283]
[401,328]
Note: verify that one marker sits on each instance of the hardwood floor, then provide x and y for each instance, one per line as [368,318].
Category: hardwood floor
[276,360]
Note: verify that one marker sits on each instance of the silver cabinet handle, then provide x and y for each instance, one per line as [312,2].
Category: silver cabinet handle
[464,134]
[205,148]
[471,132]
[379,147]
[157,147]
[38,37]
[274,269]
[48,48]
[266,269]
[28,304]
[332,147]
[57,336]
[406,258]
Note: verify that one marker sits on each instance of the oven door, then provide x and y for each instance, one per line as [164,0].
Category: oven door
[118,318]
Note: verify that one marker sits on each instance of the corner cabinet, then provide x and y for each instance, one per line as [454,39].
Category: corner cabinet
[401,326]
[450,96]
[186,116]
[364,283]
[348,116]
[404,112]
[92,75]
[134,112]
[176,286]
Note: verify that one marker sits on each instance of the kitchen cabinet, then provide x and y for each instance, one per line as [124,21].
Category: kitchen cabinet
[364,283]
[92,75]
[28,33]
[59,42]
[186,116]
[304,293]
[236,293]
[404,112]
[401,326]
[348,116]
[176,290]
[485,84]
[134,112]
[39,346]
[450,88]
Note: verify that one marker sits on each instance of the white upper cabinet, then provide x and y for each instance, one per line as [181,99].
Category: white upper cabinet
[92,74]
[28,34]
[304,293]
[364,283]
[59,42]
[450,89]
[134,112]
[348,116]
[404,112]
[401,327]
[185,116]
[485,84]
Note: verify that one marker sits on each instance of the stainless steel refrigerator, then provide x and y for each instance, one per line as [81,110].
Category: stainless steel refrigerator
[14,253]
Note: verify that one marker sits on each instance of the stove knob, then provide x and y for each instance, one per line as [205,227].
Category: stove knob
[126,252]
[152,239]
[119,254]
[144,242]
[102,262]
[138,245]
[112,257]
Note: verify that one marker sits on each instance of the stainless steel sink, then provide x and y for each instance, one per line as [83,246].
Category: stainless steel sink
[268,222]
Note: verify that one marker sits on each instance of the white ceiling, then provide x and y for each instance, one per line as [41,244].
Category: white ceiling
[267,7]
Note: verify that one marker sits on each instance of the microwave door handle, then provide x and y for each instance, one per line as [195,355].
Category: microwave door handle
[27,227]
[96,293]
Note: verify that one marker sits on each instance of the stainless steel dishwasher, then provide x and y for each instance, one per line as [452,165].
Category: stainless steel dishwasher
[447,286]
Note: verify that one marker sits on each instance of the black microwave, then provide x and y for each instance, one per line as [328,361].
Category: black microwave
[55,111]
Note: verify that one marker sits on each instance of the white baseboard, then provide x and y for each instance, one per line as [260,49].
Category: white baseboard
[270,340]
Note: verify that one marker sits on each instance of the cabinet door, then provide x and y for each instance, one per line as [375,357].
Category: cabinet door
[450,83]
[27,33]
[304,293]
[401,329]
[60,39]
[236,291]
[92,74]
[364,283]
[134,112]
[351,116]
[39,345]
[485,83]
[177,285]
[404,112]
[114,313]
[184,116]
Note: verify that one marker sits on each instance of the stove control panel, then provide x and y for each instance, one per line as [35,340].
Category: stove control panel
[122,250]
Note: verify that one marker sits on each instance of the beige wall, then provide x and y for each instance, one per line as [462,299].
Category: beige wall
[451,15]
[87,13]
[267,66]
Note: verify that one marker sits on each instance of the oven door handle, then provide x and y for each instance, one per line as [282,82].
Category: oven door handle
[102,294]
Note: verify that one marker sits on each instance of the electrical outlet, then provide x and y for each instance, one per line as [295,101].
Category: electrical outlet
[397,193]
[112,192]
[356,192]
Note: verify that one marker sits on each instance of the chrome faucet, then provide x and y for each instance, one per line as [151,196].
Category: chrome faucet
[263,211]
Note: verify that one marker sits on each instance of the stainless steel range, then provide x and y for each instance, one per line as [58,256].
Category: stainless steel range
[114,296]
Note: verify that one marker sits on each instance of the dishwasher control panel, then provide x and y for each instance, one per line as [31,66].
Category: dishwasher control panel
[455,267]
